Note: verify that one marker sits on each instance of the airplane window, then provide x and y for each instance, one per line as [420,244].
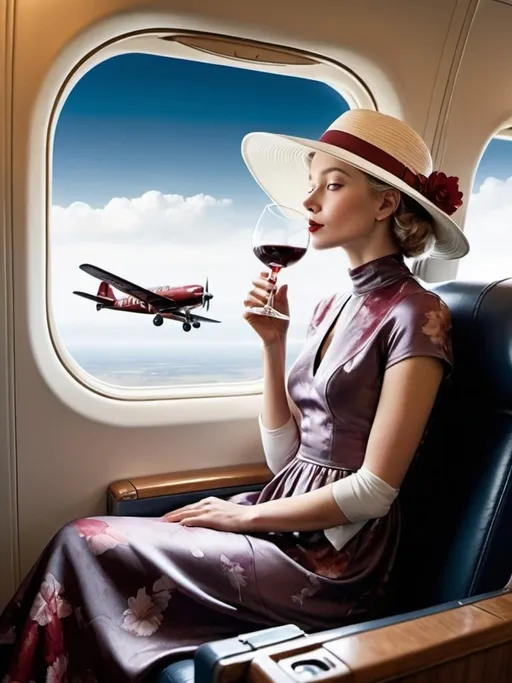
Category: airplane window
[151,199]
[489,216]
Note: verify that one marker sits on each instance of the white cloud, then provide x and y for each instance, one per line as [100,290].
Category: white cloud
[159,239]
[489,231]
[162,216]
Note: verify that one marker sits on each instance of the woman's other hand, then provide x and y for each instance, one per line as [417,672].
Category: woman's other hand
[213,513]
[269,329]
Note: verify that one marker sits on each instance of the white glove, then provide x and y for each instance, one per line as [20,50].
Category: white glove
[279,445]
[360,496]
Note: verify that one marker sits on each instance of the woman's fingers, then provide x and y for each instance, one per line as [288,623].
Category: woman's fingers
[252,300]
[186,509]
[260,291]
[185,514]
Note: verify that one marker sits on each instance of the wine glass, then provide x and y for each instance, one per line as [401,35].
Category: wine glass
[280,239]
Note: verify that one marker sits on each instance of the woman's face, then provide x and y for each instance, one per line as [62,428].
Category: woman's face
[345,207]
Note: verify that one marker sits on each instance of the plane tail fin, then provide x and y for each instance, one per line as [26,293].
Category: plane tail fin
[106,291]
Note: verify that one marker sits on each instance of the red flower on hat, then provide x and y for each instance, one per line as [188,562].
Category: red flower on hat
[441,190]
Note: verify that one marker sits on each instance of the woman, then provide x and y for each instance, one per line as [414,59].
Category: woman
[111,597]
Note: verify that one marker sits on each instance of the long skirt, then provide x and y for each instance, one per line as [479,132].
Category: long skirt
[115,598]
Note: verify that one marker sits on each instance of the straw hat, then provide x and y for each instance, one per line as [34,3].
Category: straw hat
[375,143]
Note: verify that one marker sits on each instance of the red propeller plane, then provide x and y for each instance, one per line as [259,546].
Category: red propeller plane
[162,302]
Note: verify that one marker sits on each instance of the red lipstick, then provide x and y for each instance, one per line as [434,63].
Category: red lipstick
[313,226]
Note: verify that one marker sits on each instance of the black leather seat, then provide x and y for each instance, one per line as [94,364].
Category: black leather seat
[457,497]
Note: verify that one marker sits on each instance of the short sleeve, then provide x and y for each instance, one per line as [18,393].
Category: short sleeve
[420,325]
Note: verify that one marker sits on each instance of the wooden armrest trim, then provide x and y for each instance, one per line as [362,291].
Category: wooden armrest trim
[398,650]
[501,606]
[410,647]
[189,481]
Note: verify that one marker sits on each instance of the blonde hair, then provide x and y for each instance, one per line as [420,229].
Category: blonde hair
[412,226]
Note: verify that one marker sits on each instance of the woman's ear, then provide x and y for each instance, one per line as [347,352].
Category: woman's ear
[390,200]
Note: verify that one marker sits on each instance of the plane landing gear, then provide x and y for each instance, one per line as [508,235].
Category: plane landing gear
[187,326]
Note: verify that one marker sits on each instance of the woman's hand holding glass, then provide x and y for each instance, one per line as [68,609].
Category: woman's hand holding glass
[269,329]
[280,239]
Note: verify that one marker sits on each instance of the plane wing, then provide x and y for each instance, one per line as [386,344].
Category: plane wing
[202,319]
[160,303]
[179,315]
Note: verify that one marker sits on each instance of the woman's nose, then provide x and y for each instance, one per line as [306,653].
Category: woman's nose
[310,204]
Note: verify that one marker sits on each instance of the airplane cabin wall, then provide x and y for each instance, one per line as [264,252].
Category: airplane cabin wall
[8,509]
[59,461]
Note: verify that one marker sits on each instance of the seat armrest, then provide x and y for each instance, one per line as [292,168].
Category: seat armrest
[231,658]
[209,655]
[476,636]
[156,494]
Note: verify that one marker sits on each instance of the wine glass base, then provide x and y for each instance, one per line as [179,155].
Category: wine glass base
[269,312]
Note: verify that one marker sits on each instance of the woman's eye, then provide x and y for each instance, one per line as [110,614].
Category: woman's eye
[329,186]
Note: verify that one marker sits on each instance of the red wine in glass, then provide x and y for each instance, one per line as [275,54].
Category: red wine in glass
[279,255]
[280,239]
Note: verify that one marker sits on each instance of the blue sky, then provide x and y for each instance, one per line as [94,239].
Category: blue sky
[496,161]
[139,122]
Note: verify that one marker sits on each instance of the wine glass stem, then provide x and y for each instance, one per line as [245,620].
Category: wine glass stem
[273,280]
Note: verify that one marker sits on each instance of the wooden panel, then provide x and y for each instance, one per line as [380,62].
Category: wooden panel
[123,490]
[414,645]
[492,666]
[192,480]
[425,647]
[500,606]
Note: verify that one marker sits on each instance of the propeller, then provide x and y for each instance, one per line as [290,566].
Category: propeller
[207,297]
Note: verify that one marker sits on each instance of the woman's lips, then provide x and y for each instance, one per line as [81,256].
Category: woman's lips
[313,227]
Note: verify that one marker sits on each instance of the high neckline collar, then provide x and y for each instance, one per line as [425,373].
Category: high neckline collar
[378,273]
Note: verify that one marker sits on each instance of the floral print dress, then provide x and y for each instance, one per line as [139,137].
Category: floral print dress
[114,598]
